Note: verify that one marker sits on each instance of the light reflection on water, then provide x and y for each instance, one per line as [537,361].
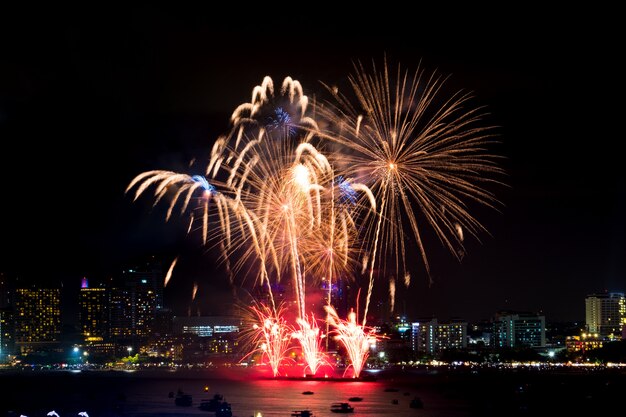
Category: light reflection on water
[281,398]
[143,394]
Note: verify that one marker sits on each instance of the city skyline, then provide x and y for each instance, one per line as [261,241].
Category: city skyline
[161,100]
[71,301]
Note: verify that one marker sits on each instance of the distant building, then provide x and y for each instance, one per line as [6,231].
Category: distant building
[164,323]
[147,274]
[206,326]
[133,305]
[6,291]
[93,313]
[131,312]
[402,327]
[214,336]
[120,313]
[519,330]
[6,334]
[430,336]
[583,343]
[605,314]
[37,319]
[479,334]
[340,295]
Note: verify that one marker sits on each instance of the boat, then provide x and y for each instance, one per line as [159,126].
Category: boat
[355,399]
[211,404]
[416,403]
[307,393]
[224,410]
[341,408]
[183,400]
[302,413]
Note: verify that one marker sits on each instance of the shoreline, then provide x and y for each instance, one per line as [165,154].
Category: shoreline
[392,374]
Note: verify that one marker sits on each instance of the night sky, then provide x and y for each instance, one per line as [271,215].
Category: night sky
[88,102]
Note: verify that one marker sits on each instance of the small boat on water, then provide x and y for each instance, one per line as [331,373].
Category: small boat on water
[341,408]
[183,400]
[307,393]
[355,399]
[416,403]
[212,404]
[302,413]
[224,410]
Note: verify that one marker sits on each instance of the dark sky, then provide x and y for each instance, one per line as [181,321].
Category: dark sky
[90,98]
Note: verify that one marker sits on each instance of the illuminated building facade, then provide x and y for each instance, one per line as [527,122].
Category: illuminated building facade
[430,336]
[148,275]
[206,326]
[213,335]
[605,314]
[93,312]
[519,330]
[134,301]
[37,319]
[6,334]
[583,343]
[7,327]
[120,313]
[132,310]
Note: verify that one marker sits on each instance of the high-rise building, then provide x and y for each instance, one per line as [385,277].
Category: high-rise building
[120,313]
[135,299]
[148,275]
[429,336]
[519,330]
[6,333]
[5,291]
[164,323]
[93,312]
[605,314]
[7,327]
[37,319]
[132,309]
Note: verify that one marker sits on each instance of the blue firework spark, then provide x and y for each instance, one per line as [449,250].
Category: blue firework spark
[347,193]
[281,119]
[205,184]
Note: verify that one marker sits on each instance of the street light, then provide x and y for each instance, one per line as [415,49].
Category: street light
[129,349]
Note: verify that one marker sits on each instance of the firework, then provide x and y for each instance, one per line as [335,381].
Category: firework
[269,334]
[184,187]
[421,153]
[355,338]
[299,203]
[168,276]
[311,342]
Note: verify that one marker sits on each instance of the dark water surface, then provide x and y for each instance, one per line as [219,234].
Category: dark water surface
[444,393]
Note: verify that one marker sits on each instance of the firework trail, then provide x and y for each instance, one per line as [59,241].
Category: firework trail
[420,152]
[268,333]
[311,342]
[392,293]
[355,338]
[184,187]
[168,276]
